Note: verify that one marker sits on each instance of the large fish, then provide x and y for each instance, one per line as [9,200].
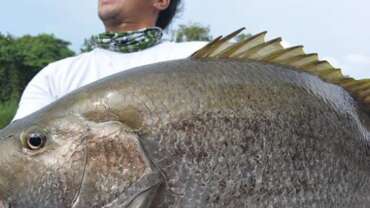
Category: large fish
[248,124]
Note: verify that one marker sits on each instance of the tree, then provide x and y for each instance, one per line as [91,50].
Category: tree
[38,51]
[20,59]
[88,45]
[242,36]
[7,67]
[191,32]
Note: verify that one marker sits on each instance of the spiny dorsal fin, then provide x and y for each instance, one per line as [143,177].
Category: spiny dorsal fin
[223,43]
[285,54]
[206,50]
[257,49]
[260,52]
[244,45]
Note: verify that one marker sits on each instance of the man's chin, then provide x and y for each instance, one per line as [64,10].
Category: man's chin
[106,2]
[107,14]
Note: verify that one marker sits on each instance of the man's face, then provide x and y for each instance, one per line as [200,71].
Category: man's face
[129,10]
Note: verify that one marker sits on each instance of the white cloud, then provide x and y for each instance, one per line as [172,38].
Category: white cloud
[358,59]
[354,65]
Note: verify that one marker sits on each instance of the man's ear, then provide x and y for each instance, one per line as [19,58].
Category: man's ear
[161,4]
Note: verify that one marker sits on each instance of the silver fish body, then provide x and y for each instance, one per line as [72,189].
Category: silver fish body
[192,133]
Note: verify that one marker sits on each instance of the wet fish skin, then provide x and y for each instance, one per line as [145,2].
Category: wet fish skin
[213,133]
[46,178]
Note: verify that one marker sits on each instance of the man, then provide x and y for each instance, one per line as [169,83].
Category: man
[132,38]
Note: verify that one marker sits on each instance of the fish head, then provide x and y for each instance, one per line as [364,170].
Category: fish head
[42,161]
[72,160]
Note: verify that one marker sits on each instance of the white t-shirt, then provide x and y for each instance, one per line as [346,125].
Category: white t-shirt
[64,76]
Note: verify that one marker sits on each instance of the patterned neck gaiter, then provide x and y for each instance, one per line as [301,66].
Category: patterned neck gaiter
[128,42]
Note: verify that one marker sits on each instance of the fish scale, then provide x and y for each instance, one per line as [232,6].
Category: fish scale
[272,185]
[233,126]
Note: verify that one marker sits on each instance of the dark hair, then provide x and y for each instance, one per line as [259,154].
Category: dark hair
[165,17]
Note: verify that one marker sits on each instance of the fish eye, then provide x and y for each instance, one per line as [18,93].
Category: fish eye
[35,140]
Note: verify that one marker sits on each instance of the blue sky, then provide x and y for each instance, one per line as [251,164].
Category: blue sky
[337,29]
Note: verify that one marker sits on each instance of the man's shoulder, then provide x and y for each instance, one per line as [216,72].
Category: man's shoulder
[175,50]
[67,69]
[185,46]
[191,44]
[82,57]
[70,65]
[163,51]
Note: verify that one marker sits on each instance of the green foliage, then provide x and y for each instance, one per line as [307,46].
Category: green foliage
[7,111]
[87,45]
[242,37]
[20,59]
[191,32]
[38,51]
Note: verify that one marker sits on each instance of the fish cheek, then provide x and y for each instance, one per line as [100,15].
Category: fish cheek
[71,170]
[115,163]
[48,179]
